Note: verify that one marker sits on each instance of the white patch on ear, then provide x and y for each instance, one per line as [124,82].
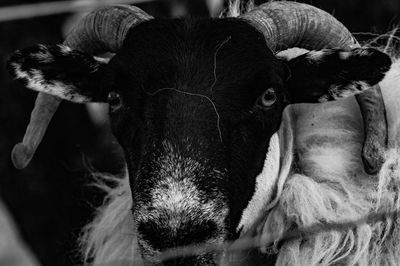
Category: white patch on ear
[43,55]
[35,81]
[266,183]
[317,56]
[102,60]
[345,55]
[64,49]
[291,53]
[355,52]
[339,92]
[361,52]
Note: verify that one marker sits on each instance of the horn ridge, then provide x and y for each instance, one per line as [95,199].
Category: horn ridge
[291,24]
[105,29]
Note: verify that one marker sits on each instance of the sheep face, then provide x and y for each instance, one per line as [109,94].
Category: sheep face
[194,105]
[194,118]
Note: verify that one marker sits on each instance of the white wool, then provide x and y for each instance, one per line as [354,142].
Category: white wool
[265,185]
[325,198]
[324,187]
[110,239]
[391,95]
[385,249]
[236,8]
[331,186]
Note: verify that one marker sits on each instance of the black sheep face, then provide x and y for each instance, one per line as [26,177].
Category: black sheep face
[194,122]
[194,104]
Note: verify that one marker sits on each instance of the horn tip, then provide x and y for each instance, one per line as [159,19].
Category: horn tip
[21,155]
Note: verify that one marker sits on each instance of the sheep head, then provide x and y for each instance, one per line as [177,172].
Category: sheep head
[195,105]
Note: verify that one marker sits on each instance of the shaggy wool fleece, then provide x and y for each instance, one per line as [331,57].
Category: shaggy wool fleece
[328,185]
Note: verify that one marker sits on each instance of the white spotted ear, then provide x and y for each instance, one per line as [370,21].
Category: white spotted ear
[57,70]
[332,74]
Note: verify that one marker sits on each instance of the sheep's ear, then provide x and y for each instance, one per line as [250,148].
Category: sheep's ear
[332,74]
[59,71]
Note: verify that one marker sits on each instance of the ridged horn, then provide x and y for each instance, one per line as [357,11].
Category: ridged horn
[290,24]
[100,31]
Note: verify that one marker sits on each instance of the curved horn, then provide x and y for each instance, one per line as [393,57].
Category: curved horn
[100,31]
[290,24]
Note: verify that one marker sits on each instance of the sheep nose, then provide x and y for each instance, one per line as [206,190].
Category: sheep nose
[163,235]
[167,237]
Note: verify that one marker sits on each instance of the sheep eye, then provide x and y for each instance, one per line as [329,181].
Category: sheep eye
[114,100]
[268,98]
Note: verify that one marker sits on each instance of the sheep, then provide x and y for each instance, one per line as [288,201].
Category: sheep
[197,115]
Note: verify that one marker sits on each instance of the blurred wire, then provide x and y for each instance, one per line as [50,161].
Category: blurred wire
[51,8]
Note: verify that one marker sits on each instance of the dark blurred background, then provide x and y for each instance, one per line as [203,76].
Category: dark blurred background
[51,200]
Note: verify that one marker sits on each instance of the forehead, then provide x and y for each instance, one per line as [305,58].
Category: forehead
[191,53]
